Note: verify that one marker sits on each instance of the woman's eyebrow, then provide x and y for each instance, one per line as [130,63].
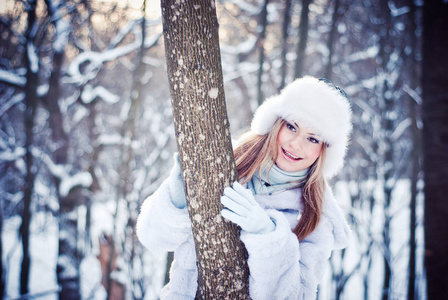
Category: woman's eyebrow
[315,134]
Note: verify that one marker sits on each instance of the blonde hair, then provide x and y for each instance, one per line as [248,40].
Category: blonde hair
[256,152]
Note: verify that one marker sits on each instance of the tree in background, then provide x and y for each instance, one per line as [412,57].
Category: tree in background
[68,128]
[31,99]
[435,145]
[96,81]
[303,39]
[203,139]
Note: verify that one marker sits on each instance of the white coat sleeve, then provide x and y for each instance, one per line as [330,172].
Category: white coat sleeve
[281,267]
[273,260]
[160,225]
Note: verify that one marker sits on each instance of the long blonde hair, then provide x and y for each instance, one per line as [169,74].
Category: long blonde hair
[255,152]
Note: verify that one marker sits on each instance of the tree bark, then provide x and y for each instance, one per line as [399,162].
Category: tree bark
[435,141]
[303,38]
[416,153]
[261,39]
[331,37]
[285,35]
[69,257]
[125,187]
[30,110]
[202,132]
[2,268]
[388,126]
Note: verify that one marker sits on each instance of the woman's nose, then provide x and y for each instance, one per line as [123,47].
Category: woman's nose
[296,143]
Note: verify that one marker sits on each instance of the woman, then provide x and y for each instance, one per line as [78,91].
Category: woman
[289,218]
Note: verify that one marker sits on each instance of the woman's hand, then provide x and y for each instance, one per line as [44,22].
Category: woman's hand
[241,208]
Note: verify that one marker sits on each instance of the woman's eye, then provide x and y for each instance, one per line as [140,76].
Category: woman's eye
[290,127]
[313,140]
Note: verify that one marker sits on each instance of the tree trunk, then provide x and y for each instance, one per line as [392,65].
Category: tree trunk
[416,153]
[389,148]
[261,39]
[2,268]
[69,258]
[435,139]
[285,35]
[30,110]
[330,42]
[203,138]
[125,187]
[303,37]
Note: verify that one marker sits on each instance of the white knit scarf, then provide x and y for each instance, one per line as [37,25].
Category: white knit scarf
[275,180]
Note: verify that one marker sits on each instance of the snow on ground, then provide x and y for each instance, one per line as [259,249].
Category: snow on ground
[44,249]
[44,253]
[43,245]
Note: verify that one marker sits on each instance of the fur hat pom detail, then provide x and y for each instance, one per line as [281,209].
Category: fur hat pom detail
[316,104]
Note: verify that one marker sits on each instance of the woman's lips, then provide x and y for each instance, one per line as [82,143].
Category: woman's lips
[290,155]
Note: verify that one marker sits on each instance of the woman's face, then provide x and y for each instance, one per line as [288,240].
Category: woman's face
[298,147]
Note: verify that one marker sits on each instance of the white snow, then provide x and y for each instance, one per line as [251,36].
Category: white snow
[9,155]
[213,93]
[96,59]
[89,94]
[32,57]
[12,78]
[62,34]
[43,247]
[67,181]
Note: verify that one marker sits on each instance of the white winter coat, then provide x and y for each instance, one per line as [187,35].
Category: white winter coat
[280,266]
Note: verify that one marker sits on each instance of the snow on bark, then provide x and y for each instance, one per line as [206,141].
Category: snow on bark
[204,144]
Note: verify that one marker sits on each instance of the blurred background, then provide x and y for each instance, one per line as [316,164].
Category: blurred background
[86,134]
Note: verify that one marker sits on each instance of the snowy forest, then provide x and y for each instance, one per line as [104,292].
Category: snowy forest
[86,134]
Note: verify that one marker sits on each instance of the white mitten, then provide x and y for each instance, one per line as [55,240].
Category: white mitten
[241,208]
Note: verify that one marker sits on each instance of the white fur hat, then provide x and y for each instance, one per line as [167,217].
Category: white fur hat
[314,103]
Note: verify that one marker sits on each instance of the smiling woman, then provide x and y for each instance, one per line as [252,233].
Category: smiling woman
[298,147]
[290,222]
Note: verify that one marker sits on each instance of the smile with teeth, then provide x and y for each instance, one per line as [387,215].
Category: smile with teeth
[291,155]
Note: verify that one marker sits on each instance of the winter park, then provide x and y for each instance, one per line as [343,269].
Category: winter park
[223,149]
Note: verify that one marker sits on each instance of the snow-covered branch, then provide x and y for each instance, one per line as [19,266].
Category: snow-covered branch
[33,59]
[67,181]
[89,94]
[13,155]
[12,78]
[4,107]
[96,59]
[400,129]
[412,93]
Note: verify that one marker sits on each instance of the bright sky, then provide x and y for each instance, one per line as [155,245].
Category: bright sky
[153,6]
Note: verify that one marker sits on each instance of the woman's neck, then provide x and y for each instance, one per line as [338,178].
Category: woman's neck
[274,179]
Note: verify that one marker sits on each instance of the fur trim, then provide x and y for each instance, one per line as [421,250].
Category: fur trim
[314,104]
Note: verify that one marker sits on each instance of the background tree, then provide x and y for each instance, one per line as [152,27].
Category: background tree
[91,107]
[435,150]
[32,68]
[303,38]
[203,139]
